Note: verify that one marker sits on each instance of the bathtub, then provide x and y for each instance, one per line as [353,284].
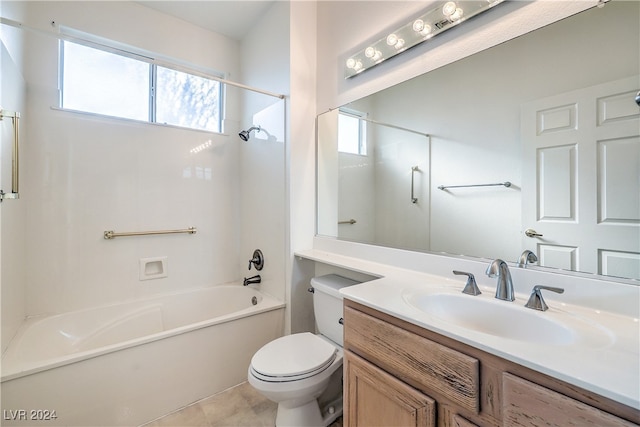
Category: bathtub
[130,363]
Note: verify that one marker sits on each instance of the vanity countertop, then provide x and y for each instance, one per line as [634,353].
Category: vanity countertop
[606,363]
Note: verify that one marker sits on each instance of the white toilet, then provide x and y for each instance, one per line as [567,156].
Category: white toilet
[296,369]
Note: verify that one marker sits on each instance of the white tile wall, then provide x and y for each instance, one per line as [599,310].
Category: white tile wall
[84,174]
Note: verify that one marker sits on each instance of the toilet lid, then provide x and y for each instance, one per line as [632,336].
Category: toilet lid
[293,355]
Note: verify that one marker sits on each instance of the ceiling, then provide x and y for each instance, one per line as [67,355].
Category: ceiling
[232,18]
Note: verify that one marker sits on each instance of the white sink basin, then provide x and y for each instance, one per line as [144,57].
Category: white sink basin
[509,320]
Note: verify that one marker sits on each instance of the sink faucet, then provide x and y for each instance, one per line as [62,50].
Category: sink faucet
[500,269]
[526,258]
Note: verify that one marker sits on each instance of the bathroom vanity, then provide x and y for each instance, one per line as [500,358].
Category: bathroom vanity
[399,374]
[417,351]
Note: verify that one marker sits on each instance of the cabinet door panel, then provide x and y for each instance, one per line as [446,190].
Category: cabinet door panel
[375,398]
[414,359]
[529,405]
[458,421]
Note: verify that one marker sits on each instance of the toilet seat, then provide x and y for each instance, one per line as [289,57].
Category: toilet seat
[292,358]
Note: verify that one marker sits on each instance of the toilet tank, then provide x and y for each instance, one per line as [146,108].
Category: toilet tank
[327,304]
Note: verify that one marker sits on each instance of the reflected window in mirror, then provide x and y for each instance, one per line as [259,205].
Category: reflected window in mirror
[352,132]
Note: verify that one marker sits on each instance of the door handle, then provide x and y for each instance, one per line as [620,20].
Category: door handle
[530,232]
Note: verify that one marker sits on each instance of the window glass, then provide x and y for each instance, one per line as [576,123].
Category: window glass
[104,83]
[352,136]
[186,100]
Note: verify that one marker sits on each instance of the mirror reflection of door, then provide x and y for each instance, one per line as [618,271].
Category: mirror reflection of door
[581,179]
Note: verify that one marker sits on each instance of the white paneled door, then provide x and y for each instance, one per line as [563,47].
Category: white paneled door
[581,179]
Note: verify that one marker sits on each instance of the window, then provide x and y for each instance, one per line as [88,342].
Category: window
[102,82]
[352,132]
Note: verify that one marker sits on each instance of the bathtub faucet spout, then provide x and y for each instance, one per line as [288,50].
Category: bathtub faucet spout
[251,280]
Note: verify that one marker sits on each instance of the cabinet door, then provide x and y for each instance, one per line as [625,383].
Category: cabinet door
[458,421]
[375,398]
[529,405]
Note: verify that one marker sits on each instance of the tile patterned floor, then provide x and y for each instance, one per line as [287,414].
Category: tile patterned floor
[240,406]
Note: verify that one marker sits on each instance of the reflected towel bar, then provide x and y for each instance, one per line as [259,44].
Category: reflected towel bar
[112,234]
[506,184]
[350,221]
[15,159]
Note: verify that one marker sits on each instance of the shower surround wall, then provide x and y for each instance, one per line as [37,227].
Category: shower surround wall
[85,174]
[262,158]
[13,93]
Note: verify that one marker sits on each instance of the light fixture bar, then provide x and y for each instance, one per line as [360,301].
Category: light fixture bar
[445,15]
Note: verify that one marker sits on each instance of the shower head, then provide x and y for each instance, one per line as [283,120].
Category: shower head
[244,135]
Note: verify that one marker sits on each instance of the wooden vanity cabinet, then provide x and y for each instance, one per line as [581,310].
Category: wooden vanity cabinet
[377,398]
[399,374]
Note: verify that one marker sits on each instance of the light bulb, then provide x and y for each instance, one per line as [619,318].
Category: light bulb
[351,63]
[369,52]
[357,66]
[392,39]
[399,44]
[418,25]
[449,9]
[457,14]
[426,30]
[377,56]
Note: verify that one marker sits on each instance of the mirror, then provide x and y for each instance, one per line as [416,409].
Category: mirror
[551,113]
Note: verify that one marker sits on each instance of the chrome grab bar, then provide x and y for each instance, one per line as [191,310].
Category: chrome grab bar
[350,221]
[444,187]
[414,169]
[112,234]
[15,164]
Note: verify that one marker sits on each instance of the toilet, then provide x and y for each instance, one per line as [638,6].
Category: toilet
[296,369]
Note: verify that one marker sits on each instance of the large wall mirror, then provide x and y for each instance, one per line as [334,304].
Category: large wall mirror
[539,134]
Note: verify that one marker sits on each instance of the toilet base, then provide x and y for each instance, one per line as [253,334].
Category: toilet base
[308,415]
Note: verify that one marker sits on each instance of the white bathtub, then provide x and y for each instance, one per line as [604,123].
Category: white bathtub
[129,363]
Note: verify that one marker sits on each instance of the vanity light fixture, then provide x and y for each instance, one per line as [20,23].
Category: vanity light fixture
[439,18]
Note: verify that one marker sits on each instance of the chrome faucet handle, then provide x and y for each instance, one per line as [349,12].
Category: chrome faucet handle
[471,287]
[536,301]
[526,258]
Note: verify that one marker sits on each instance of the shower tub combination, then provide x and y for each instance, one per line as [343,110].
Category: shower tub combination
[130,363]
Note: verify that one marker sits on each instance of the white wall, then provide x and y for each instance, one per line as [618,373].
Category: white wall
[301,161]
[84,175]
[265,64]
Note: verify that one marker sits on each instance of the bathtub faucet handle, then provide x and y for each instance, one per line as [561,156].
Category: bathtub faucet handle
[252,280]
[257,260]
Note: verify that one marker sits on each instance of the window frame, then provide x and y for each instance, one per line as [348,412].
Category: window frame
[115,48]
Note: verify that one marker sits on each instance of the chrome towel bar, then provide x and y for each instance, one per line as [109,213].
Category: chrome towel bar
[349,221]
[15,163]
[506,184]
[112,234]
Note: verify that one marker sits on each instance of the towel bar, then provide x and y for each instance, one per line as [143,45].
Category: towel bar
[112,234]
[15,164]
